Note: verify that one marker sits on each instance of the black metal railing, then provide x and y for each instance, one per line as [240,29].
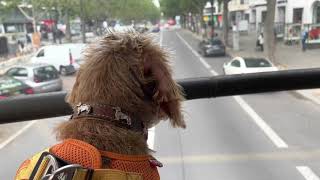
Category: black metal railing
[48,105]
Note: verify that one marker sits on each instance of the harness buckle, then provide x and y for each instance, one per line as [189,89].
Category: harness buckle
[64,173]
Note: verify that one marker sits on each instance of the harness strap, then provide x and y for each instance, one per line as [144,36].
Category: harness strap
[48,168]
[84,174]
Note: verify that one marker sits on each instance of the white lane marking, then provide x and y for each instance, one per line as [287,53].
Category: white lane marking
[214,72]
[151,137]
[261,123]
[18,133]
[307,173]
[246,107]
[195,53]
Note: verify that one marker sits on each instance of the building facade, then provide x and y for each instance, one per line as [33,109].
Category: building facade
[292,17]
[287,12]
[239,10]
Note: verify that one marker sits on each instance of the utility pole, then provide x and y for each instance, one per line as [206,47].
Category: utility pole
[212,21]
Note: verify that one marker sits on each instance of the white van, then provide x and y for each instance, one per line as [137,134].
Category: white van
[66,57]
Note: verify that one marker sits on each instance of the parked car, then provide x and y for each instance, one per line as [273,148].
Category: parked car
[13,87]
[155,29]
[240,65]
[66,58]
[212,47]
[41,78]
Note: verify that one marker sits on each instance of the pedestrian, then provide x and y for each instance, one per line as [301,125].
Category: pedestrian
[20,47]
[59,35]
[304,39]
[28,38]
[261,41]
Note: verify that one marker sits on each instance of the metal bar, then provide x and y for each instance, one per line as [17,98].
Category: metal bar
[41,106]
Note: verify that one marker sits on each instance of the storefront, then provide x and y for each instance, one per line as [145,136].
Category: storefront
[313,29]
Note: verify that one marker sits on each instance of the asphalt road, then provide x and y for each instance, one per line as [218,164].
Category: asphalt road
[263,136]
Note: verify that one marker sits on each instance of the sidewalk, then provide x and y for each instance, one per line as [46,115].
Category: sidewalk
[287,57]
[290,57]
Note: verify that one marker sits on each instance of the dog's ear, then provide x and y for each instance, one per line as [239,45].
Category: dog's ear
[167,93]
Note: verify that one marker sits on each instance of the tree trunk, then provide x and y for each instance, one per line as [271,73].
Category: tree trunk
[269,30]
[203,29]
[225,25]
[68,29]
[34,19]
[83,24]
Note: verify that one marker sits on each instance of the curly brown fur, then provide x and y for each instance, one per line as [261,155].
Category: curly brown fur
[112,74]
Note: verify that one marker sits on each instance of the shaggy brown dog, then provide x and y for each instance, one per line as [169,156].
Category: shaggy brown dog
[116,71]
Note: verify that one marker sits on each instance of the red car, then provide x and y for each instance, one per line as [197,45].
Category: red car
[171,22]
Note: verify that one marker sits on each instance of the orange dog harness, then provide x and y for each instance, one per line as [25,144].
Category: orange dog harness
[79,152]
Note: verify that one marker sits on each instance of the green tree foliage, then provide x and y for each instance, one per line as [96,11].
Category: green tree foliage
[94,9]
[178,7]
[6,6]
[136,10]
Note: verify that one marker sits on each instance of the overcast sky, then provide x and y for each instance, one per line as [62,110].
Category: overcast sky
[156,2]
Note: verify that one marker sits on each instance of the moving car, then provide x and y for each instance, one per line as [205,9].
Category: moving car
[240,65]
[13,87]
[212,47]
[66,58]
[41,78]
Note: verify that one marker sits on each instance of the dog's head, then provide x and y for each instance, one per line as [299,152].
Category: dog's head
[131,71]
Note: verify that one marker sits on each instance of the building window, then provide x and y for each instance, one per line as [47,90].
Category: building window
[316,12]
[281,14]
[297,15]
[254,16]
[246,17]
[263,16]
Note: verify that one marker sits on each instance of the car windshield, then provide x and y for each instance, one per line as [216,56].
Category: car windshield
[64,62]
[45,73]
[256,63]
[216,42]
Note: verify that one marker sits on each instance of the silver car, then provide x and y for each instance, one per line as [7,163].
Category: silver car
[41,78]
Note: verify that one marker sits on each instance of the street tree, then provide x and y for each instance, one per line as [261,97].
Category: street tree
[183,7]
[225,21]
[270,38]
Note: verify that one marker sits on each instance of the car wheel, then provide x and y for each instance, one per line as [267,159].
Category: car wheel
[63,71]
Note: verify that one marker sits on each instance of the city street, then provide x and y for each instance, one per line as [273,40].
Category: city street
[269,136]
